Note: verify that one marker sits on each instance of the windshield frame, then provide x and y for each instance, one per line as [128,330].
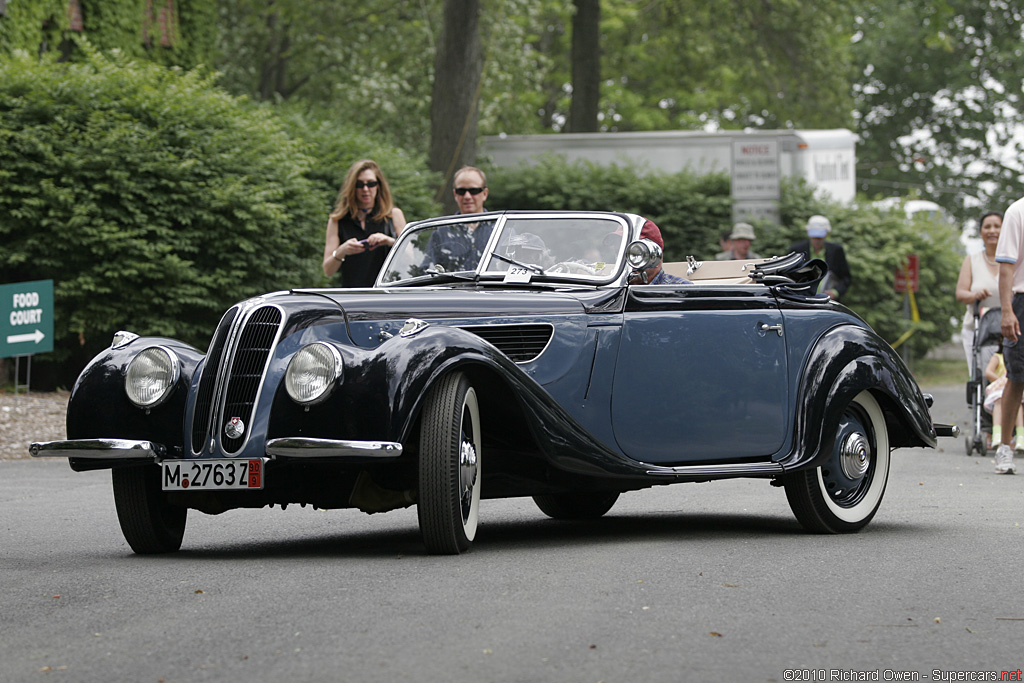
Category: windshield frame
[624,221]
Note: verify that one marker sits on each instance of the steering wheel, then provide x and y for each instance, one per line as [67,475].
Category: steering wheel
[572,267]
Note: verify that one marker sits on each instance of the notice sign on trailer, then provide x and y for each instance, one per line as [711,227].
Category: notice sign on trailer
[26,318]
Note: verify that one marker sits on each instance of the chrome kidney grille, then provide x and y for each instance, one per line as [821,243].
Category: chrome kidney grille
[229,387]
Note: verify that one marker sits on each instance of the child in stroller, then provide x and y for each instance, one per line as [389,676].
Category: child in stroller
[995,373]
[987,341]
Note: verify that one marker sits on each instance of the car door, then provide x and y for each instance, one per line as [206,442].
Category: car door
[701,375]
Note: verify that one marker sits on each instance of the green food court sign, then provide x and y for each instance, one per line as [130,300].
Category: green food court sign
[26,318]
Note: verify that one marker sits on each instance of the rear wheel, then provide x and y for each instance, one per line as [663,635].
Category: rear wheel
[843,494]
[576,505]
[449,478]
[149,523]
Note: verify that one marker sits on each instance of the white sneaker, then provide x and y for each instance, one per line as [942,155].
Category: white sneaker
[1004,460]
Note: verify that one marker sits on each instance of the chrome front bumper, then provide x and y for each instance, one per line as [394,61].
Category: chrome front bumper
[292,447]
[99,449]
[297,447]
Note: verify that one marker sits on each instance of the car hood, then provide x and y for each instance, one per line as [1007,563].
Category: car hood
[372,315]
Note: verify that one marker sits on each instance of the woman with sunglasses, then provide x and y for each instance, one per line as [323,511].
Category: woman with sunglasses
[363,226]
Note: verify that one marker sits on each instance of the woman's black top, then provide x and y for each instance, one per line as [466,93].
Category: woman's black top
[360,270]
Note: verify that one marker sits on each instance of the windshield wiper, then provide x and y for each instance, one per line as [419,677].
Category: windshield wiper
[456,275]
[506,259]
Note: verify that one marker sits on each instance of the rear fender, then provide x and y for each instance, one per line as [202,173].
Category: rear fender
[845,361]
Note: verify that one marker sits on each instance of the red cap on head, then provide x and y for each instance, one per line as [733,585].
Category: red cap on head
[650,231]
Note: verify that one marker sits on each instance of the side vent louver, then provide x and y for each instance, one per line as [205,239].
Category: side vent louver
[521,343]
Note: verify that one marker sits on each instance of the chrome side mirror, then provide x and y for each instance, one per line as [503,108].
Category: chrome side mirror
[643,254]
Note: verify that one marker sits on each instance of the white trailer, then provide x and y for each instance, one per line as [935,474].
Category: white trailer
[825,158]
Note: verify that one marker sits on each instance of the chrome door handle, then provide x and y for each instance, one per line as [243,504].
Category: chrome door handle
[766,328]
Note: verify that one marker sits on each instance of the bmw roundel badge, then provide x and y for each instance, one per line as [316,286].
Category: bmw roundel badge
[234,428]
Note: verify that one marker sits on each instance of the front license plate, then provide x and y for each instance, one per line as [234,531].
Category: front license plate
[211,475]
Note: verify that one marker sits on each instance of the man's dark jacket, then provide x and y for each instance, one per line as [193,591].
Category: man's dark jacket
[839,277]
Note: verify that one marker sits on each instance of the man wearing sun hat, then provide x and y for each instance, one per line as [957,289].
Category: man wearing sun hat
[741,236]
[838,279]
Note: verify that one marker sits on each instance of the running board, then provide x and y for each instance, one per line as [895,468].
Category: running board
[754,469]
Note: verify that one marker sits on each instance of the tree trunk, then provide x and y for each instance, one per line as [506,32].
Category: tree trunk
[458,67]
[586,66]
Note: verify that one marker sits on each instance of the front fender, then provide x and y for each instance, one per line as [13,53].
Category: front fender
[382,388]
[99,407]
[845,361]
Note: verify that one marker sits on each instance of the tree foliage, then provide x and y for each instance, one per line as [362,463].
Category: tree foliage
[685,64]
[939,105]
[150,197]
[367,64]
[32,26]
[171,32]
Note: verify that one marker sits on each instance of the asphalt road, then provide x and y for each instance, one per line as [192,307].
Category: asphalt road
[695,582]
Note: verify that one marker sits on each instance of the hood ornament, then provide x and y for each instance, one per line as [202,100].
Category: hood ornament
[413,326]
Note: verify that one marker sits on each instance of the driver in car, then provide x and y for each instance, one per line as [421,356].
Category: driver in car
[526,247]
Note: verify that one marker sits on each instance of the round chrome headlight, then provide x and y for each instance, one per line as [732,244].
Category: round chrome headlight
[151,376]
[643,254]
[312,373]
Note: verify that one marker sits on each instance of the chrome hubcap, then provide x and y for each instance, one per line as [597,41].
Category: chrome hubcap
[854,455]
[467,472]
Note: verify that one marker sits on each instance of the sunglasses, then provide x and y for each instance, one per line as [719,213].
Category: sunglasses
[370,183]
[472,190]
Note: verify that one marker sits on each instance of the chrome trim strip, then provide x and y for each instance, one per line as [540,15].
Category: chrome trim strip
[210,437]
[301,447]
[759,468]
[99,449]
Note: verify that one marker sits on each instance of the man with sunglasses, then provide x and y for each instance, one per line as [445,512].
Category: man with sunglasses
[461,247]
[470,189]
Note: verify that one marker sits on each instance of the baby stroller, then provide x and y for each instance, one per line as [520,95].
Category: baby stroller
[988,339]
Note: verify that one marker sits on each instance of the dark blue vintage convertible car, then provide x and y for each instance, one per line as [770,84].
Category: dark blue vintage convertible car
[500,355]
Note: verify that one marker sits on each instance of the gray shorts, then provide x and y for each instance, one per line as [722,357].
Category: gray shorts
[1013,352]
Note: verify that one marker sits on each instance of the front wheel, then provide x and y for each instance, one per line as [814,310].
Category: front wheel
[450,456]
[149,523]
[843,494]
[576,505]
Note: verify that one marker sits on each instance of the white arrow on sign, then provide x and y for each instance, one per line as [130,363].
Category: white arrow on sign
[36,336]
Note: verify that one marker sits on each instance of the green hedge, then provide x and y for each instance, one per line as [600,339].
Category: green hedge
[693,210]
[150,197]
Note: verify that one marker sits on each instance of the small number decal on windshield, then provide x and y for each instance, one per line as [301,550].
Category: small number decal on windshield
[518,274]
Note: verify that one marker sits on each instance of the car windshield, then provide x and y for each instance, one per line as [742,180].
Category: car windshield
[511,248]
